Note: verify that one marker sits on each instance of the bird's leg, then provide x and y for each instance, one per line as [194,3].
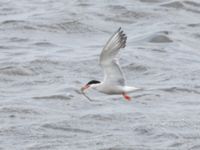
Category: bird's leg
[128,98]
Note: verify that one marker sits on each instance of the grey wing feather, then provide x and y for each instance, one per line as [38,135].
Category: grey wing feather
[112,71]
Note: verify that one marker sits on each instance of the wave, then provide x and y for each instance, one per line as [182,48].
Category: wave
[55,97]
[71,26]
[16,71]
[180,89]
[65,128]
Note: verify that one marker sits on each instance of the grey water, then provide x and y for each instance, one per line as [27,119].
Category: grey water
[50,48]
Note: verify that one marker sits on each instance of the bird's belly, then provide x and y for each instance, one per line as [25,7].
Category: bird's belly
[109,89]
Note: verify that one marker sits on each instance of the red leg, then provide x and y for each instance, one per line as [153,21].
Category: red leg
[128,98]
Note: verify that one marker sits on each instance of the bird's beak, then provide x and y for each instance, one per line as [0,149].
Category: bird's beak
[85,87]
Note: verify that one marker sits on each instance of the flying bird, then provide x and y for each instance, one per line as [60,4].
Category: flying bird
[114,81]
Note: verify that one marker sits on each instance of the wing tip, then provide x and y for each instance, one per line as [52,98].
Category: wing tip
[123,37]
[118,30]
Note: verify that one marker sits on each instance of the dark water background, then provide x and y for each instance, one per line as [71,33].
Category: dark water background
[50,48]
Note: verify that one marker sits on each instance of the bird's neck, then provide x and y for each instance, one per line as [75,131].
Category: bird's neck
[96,86]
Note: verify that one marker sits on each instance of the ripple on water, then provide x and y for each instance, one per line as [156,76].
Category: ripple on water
[167,136]
[160,39]
[150,1]
[143,130]
[73,26]
[192,3]
[195,147]
[44,65]
[65,128]
[179,89]
[194,25]
[55,97]
[121,14]
[18,39]
[44,61]
[16,71]
[174,4]
[17,24]
[98,117]
[44,44]
[136,67]
[18,110]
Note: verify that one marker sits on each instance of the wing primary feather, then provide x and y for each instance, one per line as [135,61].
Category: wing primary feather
[119,29]
[112,71]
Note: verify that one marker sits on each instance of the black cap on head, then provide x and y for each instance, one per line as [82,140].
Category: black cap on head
[93,82]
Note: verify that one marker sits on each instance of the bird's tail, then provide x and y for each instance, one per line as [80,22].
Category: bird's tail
[129,89]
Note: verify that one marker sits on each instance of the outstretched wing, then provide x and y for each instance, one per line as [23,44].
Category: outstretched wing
[108,61]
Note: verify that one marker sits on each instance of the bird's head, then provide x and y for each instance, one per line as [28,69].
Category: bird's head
[90,84]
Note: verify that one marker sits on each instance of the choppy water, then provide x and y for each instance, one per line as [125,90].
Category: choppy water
[50,48]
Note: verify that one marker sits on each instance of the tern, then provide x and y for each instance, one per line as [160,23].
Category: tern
[114,80]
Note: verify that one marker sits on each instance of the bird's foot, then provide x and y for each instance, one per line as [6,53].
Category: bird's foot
[128,98]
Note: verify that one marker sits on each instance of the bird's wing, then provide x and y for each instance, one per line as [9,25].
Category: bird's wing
[108,61]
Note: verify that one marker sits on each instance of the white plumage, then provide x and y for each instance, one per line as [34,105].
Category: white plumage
[114,81]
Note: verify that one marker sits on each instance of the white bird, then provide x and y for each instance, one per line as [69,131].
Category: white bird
[114,81]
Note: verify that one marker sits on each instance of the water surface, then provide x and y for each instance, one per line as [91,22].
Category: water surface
[50,48]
